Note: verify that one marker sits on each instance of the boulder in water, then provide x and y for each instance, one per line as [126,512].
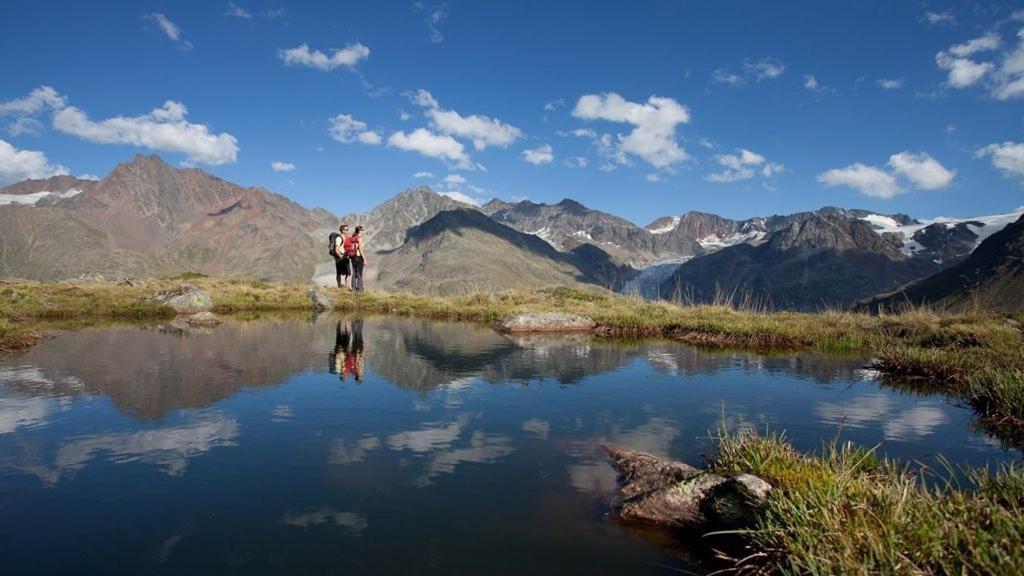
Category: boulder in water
[678,497]
[203,319]
[548,322]
[185,299]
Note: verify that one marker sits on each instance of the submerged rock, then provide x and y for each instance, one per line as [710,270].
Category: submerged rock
[185,299]
[678,497]
[548,322]
[320,300]
[203,319]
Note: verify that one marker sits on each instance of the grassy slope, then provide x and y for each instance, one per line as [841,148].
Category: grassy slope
[843,511]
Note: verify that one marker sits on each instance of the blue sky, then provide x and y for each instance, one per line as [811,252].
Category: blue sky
[642,109]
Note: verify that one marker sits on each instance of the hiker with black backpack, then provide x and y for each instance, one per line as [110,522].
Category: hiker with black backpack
[342,262]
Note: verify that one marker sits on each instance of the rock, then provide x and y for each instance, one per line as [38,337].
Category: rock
[186,299]
[678,497]
[203,319]
[320,300]
[548,322]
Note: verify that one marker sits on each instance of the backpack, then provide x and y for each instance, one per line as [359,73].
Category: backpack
[331,240]
[351,245]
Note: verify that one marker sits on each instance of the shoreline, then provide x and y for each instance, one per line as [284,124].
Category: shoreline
[976,358]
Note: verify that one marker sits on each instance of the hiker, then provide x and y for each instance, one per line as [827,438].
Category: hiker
[342,264]
[354,250]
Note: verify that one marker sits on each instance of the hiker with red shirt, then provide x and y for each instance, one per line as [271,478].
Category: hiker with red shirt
[354,251]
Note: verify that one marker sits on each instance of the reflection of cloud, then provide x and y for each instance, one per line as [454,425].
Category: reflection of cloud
[917,422]
[282,413]
[538,427]
[483,448]
[342,453]
[170,447]
[20,412]
[655,436]
[33,378]
[593,477]
[355,523]
[867,409]
[434,436]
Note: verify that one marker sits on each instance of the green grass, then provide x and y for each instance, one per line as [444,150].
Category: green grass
[845,511]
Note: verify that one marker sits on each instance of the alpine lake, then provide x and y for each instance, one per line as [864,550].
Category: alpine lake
[388,445]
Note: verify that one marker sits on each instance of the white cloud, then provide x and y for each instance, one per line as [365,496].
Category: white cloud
[481,130]
[434,145]
[579,133]
[36,101]
[460,197]
[939,18]
[423,175]
[889,83]
[810,82]
[575,162]
[347,57]
[963,71]
[1007,157]
[346,129]
[653,177]
[282,166]
[653,137]
[170,29]
[25,125]
[1010,75]
[724,76]
[743,166]
[539,155]
[764,69]
[164,129]
[918,170]
[235,11]
[16,165]
[435,16]
[922,170]
[454,180]
[868,180]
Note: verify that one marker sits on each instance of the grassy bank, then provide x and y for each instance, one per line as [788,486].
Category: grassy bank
[976,357]
[844,511]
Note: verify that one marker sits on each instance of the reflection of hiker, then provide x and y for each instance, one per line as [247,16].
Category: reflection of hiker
[341,348]
[354,358]
[354,250]
[342,264]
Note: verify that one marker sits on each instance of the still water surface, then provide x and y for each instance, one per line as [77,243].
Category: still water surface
[390,445]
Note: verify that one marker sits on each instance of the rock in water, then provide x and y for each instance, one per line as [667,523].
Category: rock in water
[548,322]
[320,300]
[678,497]
[203,319]
[186,299]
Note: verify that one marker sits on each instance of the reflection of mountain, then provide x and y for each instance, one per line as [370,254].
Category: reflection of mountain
[154,372]
[148,373]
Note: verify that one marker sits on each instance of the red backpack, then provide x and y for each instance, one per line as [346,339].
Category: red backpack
[351,246]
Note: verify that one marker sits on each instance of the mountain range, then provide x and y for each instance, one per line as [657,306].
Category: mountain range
[147,218]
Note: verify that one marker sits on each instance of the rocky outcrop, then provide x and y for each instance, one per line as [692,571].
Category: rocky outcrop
[320,300]
[678,497]
[548,322]
[186,299]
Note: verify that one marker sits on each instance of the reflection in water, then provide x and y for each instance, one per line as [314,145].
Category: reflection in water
[347,357]
[355,523]
[467,449]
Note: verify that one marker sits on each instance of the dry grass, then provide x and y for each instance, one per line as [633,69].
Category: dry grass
[844,511]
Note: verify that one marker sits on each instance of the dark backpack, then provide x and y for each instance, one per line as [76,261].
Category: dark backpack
[330,243]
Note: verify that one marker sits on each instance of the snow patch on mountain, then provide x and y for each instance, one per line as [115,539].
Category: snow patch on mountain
[981,226]
[34,198]
[666,228]
[715,242]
